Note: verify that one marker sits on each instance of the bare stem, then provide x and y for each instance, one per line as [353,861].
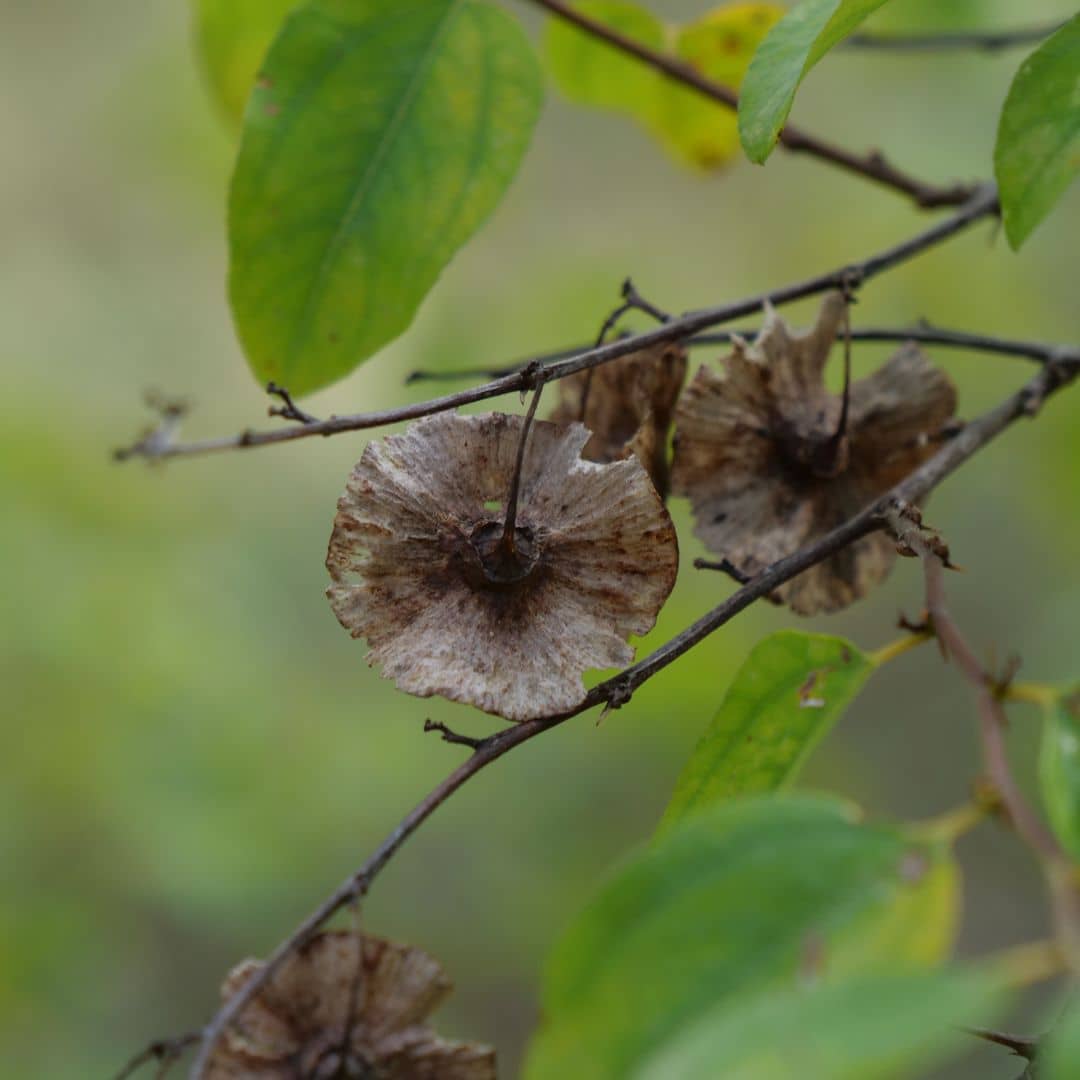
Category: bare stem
[510,523]
[618,690]
[993,724]
[923,332]
[872,166]
[982,205]
[951,41]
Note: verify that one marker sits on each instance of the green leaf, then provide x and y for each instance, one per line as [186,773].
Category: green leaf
[1037,153]
[855,1029]
[734,900]
[1059,767]
[793,47]
[1059,1053]
[381,135]
[590,72]
[788,693]
[231,37]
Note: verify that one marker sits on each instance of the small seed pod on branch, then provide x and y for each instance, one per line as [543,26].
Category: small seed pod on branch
[345,1005]
[772,461]
[627,405]
[495,572]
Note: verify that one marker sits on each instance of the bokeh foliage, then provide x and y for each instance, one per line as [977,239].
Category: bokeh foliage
[194,750]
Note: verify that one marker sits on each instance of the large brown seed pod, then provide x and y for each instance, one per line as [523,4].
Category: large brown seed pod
[627,405]
[419,568]
[769,468]
[345,1005]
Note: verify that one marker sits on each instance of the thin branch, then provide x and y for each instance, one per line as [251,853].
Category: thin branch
[923,332]
[449,735]
[984,204]
[617,691]
[164,1051]
[993,722]
[288,410]
[954,40]
[872,166]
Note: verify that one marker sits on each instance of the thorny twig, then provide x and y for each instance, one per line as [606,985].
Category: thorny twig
[619,689]
[982,205]
[873,166]
[164,1051]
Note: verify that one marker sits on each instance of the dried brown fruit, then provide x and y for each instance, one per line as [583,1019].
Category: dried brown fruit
[769,467]
[345,1005]
[628,407]
[419,568]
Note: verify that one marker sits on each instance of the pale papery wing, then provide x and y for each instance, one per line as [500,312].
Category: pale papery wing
[264,1030]
[796,361]
[896,415]
[613,550]
[623,396]
[841,579]
[755,527]
[517,652]
[401,985]
[851,572]
[420,1054]
[745,508]
[721,430]
[230,1064]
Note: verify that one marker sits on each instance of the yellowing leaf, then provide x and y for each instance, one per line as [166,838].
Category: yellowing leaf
[232,37]
[720,45]
[590,72]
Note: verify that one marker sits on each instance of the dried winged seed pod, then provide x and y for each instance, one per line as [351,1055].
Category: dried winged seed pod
[627,406]
[449,605]
[345,1005]
[770,463]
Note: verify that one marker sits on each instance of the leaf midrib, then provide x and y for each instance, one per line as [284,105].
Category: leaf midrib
[387,139]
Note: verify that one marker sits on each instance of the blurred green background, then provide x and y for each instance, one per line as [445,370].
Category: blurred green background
[193,751]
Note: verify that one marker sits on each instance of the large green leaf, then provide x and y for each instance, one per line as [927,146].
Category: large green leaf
[793,47]
[788,693]
[1059,1054]
[380,136]
[861,1028]
[1037,153]
[736,899]
[232,37]
[1059,767]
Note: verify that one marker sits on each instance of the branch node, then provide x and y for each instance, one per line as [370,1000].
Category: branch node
[289,410]
[165,1052]
[451,736]
[619,691]
[724,566]
[156,441]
